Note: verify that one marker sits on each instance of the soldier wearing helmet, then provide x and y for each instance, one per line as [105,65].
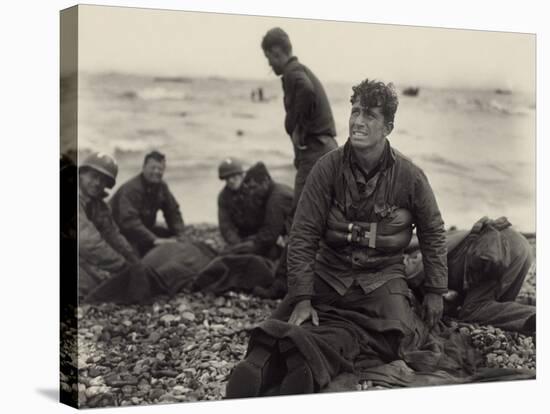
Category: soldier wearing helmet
[231,170]
[253,210]
[102,250]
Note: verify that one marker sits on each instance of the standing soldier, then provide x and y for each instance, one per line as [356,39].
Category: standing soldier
[308,121]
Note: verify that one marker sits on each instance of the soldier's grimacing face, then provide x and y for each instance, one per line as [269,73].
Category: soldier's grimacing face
[153,170]
[367,126]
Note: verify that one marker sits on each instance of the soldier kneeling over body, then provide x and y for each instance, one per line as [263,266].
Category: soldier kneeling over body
[254,212]
[487,267]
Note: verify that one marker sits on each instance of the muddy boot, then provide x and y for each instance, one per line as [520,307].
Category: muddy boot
[246,378]
[258,371]
[298,378]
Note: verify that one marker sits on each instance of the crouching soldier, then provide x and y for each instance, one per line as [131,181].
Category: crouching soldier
[102,250]
[136,203]
[348,299]
[487,267]
[254,211]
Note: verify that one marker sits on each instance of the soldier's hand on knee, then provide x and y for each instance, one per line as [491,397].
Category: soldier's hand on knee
[302,312]
[432,309]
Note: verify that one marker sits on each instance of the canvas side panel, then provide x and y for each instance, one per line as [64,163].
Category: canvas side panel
[68,206]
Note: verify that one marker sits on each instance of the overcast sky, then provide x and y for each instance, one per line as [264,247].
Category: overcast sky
[178,43]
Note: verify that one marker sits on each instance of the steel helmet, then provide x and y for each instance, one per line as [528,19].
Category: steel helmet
[104,164]
[229,167]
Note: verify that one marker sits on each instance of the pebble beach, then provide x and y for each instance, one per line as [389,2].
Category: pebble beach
[182,349]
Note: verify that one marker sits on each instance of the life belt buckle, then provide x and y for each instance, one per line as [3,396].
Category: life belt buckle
[370,235]
[357,233]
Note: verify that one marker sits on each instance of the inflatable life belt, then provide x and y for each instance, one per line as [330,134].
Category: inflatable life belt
[391,234]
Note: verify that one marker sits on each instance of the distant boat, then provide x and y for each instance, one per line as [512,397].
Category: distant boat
[503,91]
[177,79]
[411,91]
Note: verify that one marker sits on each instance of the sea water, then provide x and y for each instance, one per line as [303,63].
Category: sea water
[477,147]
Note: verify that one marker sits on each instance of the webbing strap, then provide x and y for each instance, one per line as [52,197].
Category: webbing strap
[372,235]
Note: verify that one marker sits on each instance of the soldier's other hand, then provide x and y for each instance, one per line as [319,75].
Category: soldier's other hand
[432,309]
[302,312]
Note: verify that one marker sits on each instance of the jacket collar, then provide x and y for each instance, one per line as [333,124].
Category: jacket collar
[146,184]
[386,161]
[290,65]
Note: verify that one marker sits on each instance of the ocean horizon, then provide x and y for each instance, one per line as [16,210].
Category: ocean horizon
[477,146]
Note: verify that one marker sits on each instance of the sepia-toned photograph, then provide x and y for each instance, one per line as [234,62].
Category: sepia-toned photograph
[263,206]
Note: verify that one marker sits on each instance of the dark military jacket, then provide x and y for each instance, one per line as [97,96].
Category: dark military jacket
[259,211]
[338,182]
[135,205]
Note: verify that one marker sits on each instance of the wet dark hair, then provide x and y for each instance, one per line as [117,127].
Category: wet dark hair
[155,155]
[377,94]
[277,37]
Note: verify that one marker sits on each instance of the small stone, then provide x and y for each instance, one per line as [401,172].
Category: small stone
[128,389]
[168,397]
[82,399]
[92,391]
[94,372]
[184,307]
[97,381]
[226,311]
[219,301]
[188,316]
[160,356]
[165,373]
[154,337]
[180,389]
[156,393]
[168,319]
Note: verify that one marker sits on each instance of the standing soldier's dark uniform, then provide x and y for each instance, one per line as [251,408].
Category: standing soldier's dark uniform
[309,121]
